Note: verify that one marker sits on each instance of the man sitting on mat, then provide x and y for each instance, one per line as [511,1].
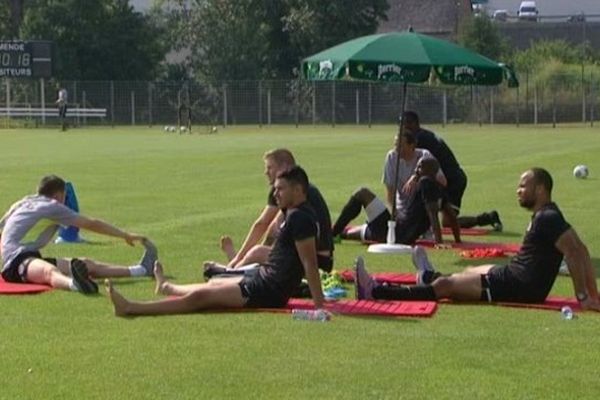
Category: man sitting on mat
[293,255]
[415,212]
[43,213]
[527,278]
[457,179]
[267,224]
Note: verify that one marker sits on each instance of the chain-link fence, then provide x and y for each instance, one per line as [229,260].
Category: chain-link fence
[560,99]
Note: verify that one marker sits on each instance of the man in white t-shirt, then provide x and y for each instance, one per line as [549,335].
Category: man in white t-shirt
[377,212]
[31,223]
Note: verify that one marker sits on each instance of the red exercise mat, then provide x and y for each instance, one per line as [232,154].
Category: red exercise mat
[512,248]
[21,288]
[386,308]
[551,303]
[483,253]
[398,278]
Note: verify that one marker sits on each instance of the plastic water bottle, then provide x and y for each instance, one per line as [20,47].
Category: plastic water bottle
[391,233]
[567,313]
[311,315]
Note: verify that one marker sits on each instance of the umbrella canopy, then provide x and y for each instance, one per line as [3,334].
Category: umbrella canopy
[405,57]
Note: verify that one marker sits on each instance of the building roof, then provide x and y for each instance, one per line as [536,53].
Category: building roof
[439,18]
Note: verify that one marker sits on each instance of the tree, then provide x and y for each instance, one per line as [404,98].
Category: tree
[479,34]
[266,39]
[96,40]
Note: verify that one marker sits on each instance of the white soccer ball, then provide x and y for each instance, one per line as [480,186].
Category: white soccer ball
[581,172]
[166,128]
[214,129]
[182,128]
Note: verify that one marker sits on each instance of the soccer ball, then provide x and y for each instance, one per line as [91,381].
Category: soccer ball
[214,129]
[182,129]
[581,172]
[166,128]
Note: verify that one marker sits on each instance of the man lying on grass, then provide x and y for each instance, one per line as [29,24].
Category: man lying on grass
[41,214]
[527,278]
[293,256]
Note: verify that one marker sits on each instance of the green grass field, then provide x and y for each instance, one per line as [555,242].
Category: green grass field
[184,191]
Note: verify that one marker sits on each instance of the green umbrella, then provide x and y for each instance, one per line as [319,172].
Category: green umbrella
[405,57]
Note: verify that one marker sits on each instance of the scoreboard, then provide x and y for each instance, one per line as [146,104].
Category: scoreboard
[25,59]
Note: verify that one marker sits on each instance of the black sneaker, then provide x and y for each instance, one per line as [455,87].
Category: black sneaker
[81,278]
[149,258]
[496,223]
[214,271]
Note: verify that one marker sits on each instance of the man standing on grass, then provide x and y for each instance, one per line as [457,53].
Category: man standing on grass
[293,255]
[266,225]
[61,102]
[41,214]
[527,278]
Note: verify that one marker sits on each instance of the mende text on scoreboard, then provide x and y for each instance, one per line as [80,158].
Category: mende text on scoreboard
[25,59]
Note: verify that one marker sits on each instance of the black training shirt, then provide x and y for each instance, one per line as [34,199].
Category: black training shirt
[537,263]
[284,269]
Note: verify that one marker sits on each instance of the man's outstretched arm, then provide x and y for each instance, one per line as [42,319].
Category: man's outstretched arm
[104,228]
[580,268]
[452,220]
[307,250]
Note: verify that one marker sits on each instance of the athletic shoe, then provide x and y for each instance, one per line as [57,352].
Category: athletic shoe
[150,257]
[215,271]
[496,223]
[363,283]
[81,278]
[425,271]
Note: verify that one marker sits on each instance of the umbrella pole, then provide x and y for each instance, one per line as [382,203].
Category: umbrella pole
[391,235]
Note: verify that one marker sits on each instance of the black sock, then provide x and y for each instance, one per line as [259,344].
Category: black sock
[404,292]
[349,212]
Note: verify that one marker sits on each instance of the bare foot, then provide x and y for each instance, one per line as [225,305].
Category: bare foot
[159,276]
[227,247]
[120,303]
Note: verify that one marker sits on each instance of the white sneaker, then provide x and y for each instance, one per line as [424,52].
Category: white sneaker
[425,271]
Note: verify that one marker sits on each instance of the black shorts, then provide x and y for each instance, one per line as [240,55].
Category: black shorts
[17,270]
[456,189]
[497,285]
[376,230]
[259,294]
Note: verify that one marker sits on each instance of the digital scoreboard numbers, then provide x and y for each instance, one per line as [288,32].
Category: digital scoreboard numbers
[25,59]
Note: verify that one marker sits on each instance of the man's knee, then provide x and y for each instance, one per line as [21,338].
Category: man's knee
[364,195]
[443,286]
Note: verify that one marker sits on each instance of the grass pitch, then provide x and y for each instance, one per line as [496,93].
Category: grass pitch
[184,191]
